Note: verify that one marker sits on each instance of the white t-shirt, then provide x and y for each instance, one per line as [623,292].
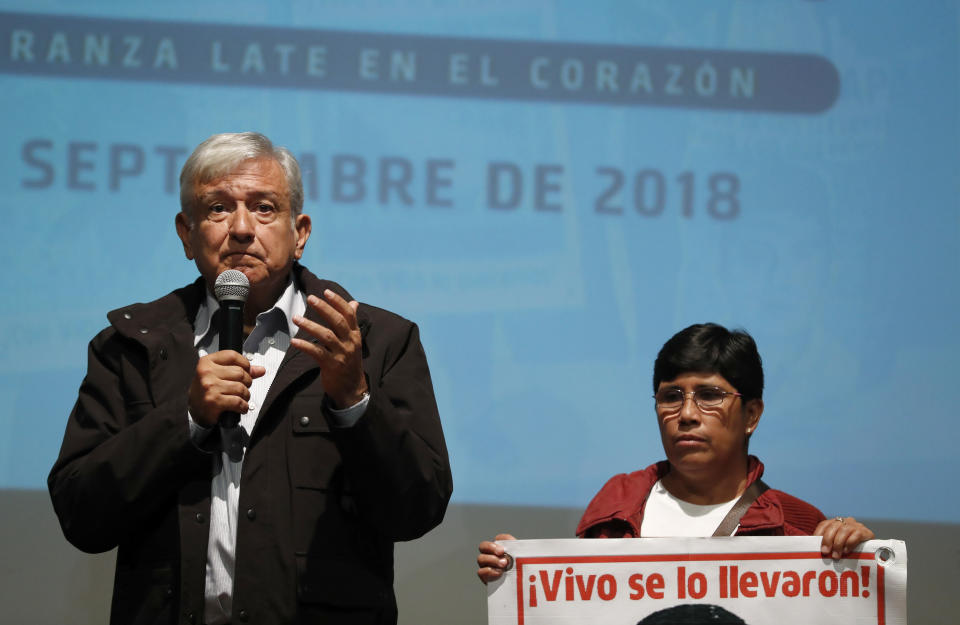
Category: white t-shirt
[666,516]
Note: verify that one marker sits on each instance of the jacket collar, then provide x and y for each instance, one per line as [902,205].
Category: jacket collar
[171,310]
[312,285]
[625,499]
[148,322]
[766,513]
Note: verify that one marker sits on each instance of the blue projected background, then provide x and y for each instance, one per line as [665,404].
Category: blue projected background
[551,190]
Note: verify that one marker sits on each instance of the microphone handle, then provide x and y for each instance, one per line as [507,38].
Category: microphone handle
[231,337]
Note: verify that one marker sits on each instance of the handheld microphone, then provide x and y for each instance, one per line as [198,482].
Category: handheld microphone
[231,290]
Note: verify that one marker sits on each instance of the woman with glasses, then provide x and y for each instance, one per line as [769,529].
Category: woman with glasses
[708,394]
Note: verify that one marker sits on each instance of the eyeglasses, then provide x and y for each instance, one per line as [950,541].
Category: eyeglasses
[671,399]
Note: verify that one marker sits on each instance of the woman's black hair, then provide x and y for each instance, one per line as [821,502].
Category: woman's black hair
[711,348]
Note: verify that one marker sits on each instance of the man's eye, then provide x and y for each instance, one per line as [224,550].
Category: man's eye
[265,208]
[218,208]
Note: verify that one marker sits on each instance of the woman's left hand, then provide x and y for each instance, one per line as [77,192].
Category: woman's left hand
[841,535]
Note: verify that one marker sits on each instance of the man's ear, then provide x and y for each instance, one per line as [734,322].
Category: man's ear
[301,230]
[184,227]
[752,410]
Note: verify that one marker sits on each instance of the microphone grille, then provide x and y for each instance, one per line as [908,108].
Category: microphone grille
[231,285]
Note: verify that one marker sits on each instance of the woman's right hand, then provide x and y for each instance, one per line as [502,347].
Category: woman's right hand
[492,559]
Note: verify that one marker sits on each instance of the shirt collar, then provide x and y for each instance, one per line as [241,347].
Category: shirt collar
[292,302]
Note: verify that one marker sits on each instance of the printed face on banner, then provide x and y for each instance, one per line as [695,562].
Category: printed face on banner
[695,437]
[243,221]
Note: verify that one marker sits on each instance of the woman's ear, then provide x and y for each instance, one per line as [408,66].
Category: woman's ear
[752,410]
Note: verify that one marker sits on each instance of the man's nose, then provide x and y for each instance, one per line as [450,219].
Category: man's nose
[241,223]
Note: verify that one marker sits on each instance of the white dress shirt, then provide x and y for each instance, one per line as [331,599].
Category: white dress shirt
[266,347]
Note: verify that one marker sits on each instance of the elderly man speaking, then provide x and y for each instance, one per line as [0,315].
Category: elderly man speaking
[338,453]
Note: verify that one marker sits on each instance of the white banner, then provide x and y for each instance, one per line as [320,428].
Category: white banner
[760,580]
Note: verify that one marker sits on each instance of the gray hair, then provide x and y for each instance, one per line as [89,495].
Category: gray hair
[221,154]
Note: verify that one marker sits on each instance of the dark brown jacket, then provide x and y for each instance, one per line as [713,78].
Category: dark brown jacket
[319,508]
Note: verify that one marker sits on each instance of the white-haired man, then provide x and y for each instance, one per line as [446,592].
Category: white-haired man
[343,448]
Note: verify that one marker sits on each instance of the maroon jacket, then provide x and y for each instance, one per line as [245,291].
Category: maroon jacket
[617,510]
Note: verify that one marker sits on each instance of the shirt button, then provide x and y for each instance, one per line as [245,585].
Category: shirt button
[272,341]
[200,518]
[251,514]
[304,421]
[143,330]
[249,355]
[127,316]
[244,616]
[191,618]
[253,405]
[163,353]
